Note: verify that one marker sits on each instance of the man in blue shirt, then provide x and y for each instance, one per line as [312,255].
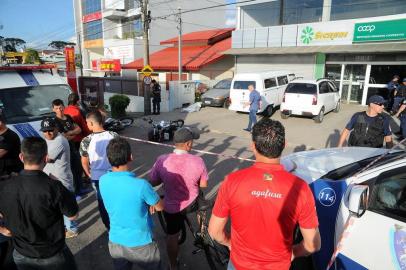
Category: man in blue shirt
[255,99]
[127,200]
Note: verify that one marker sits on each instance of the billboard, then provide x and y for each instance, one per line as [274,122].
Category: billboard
[106,65]
[380,31]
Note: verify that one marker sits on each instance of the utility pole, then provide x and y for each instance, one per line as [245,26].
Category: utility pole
[80,54]
[145,17]
[179,47]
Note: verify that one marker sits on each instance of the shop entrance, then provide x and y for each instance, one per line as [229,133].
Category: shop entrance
[353,83]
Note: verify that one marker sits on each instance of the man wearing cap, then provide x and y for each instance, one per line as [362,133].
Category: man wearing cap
[369,128]
[400,95]
[182,175]
[58,164]
[392,86]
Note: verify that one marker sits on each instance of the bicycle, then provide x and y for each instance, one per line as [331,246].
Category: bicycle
[217,255]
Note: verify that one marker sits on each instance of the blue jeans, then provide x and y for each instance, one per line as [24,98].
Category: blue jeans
[102,210]
[252,119]
[63,260]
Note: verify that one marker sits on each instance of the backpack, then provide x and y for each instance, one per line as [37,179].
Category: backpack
[367,135]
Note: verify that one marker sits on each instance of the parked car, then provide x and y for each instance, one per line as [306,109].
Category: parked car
[270,85]
[361,191]
[219,95]
[312,98]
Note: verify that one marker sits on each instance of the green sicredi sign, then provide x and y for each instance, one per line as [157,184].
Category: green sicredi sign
[380,31]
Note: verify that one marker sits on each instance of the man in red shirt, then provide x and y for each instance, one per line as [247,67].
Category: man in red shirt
[73,111]
[265,202]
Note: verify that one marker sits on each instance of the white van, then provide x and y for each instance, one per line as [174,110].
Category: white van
[271,86]
[26,94]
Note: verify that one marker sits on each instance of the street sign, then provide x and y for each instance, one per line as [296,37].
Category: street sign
[147,80]
[147,70]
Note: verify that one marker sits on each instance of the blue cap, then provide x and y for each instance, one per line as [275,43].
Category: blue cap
[376,99]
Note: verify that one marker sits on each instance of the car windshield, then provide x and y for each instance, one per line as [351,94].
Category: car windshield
[224,84]
[26,104]
[243,84]
[301,88]
[353,168]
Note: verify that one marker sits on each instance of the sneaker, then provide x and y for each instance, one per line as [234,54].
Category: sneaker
[70,234]
[247,129]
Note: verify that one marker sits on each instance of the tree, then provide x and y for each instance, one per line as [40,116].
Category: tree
[31,57]
[11,44]
[59,44]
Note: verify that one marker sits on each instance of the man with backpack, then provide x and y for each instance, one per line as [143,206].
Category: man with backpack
[369,128]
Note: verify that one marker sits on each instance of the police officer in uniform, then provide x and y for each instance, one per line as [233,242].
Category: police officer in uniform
[369,128]
[156,97]
[402,116]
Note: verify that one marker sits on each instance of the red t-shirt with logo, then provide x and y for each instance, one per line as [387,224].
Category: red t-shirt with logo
[265,203]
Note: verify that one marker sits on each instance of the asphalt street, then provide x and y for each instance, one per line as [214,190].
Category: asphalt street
[223,135]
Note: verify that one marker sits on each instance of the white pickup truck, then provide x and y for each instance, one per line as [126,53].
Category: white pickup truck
[26,94]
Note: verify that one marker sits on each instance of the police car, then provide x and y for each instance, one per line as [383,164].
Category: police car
[360,196]
[26,94]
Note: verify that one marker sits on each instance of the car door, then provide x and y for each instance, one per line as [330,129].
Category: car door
[282,83]
[334,94]
[324,96]
[377,239]
[270,94]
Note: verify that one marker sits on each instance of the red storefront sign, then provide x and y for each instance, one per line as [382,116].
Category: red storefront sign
[106,65]
[70,68]
[92,17]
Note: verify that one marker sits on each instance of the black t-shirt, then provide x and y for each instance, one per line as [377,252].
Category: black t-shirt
[401,91]
[65,125]
[33,206]
[156,92]
[10,141]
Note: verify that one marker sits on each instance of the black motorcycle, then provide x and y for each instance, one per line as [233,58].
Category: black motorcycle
[163,130]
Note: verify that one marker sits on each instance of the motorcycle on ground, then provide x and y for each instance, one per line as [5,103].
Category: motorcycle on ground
[161,131]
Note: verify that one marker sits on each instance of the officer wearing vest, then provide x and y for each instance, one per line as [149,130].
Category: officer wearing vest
[402,116]
[369,128]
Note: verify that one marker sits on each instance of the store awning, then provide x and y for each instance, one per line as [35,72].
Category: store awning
[354,48]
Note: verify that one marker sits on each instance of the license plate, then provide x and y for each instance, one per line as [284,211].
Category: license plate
[166,136]
[207,102]
[297,112]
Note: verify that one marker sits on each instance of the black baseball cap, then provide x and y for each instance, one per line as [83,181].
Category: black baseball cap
[48,124]
[185,134]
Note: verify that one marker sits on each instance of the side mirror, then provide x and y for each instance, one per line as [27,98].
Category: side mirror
[358,200]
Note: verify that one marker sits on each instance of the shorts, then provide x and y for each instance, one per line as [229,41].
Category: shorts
[175,221]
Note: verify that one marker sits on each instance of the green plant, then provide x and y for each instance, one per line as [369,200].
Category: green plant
[118,104]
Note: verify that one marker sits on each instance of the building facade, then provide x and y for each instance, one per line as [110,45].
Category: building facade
[360,44]
[112,29]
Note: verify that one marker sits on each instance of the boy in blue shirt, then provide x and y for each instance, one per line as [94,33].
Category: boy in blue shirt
[127,200]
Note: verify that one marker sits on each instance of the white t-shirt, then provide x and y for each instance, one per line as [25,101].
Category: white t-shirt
[94,146]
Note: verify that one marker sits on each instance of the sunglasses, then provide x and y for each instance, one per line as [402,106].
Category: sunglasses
[379,104]
[49,131]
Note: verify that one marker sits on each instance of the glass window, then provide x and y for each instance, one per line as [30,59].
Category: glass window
[302,11]
[351,9]
[389,194]
[382,74]
[91,6]
[282,80]
[301,88]
[243,84]
[223,84]
[260,15]
[271,82]
[28,104]
[93,30]
[324,88]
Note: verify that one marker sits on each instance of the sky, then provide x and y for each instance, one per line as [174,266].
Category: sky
[38,22]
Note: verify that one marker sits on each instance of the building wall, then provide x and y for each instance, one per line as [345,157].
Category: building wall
[301,65]
[219,70]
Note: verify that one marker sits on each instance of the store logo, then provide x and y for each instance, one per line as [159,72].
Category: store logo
[366,28]
[307,35]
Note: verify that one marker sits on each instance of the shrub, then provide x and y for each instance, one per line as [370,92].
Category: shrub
[118,104]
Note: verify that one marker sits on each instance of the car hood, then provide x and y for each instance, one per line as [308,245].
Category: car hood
[311,165]
[216,92]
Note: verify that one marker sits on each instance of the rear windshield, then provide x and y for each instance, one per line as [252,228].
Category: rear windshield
[243,84]
[223,84]
[301,88]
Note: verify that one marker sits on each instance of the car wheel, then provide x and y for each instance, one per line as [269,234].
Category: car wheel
[284,115]
[319,118]
[226,103]
[268,111]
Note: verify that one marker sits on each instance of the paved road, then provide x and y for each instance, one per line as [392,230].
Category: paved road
[222,134]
